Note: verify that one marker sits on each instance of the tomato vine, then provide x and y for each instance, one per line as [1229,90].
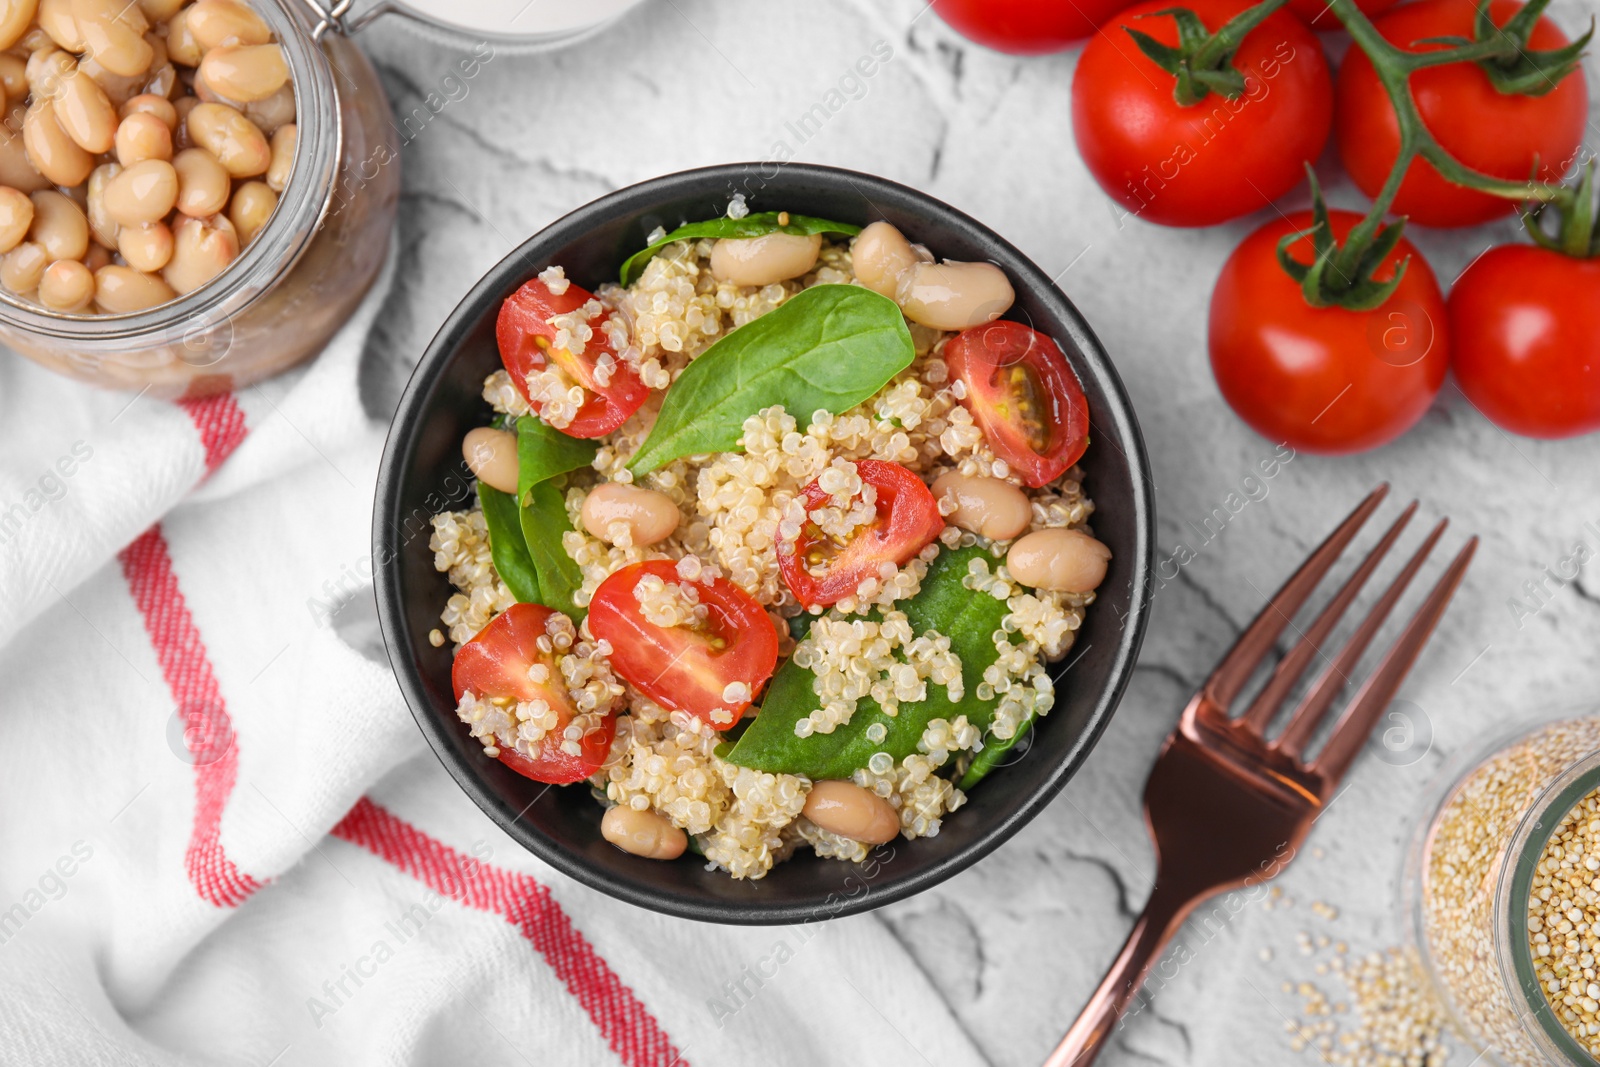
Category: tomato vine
[1341,273]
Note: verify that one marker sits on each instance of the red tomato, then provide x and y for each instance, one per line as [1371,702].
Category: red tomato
[495,664]
[1526,323]
[524,333]
[686,667]
[1026,27]
[1318,16]
[820,571]
[1325,379]
[1497,133]
[1217,160]
[1023,396]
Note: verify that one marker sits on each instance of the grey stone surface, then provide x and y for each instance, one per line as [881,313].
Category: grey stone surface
[1015,944]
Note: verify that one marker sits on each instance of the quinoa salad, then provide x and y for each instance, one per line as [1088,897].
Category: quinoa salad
[776,536]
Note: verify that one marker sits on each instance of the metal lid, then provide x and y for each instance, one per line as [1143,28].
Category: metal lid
[520,24]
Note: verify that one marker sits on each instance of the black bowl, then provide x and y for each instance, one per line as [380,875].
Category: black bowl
[423,473]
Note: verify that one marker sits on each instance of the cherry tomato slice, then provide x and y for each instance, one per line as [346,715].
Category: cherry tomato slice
[524,334]
[1023,396]
[558,767]
[683,667]
[908,519]
[495,664]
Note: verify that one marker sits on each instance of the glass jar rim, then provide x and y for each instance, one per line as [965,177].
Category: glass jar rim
[1528,843]
[299,213]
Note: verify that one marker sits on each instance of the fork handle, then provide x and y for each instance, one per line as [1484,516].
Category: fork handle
[1163,914]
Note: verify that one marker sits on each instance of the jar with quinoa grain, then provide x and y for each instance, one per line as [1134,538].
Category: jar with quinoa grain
[1505,884]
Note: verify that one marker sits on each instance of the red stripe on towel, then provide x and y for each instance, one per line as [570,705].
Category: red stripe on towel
[626,1024]
[207,730]
[221,424]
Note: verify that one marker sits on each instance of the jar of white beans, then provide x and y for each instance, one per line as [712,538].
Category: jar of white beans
[194,194]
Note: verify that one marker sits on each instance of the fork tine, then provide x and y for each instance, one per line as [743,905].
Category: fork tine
[1236,667]
[1350,733]
[1266,704]
[1336,675]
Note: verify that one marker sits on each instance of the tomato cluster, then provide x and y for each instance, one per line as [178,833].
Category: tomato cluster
[1520,329]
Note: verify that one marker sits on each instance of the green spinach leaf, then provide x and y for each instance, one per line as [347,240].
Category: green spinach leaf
[827,347]
[943,604]
[757,225]
[994,751]
[506,546]
[544,520]
[544,452]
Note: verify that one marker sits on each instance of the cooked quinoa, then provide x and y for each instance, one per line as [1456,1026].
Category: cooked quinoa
[737,510]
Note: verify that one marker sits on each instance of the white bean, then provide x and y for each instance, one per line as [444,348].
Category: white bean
[491,455]
[201,250]
[773,257]
[879,255]
[15,17]
[66,285]
[23,266]
[989,506]
[122,289]
[643,833]
[954,296]
[848,810]
[618,513]
[59,226]
[1058,559]
[16,216]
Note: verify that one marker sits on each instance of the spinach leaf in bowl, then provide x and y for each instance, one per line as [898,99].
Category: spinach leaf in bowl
[544,521]
[525,530]
[968,618]
[828,347]
[506,545]
[544,452]
[757,225]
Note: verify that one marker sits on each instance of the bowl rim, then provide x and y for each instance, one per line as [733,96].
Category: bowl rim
[400,445]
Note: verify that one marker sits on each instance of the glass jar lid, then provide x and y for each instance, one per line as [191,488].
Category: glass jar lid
[519,24]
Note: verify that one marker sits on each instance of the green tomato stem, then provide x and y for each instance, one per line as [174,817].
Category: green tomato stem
[1231,34]
[1394,67]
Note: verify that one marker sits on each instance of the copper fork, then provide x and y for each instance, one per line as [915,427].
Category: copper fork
[1229,806]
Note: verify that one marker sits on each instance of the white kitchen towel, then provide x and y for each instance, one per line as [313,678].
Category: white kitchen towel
[224,839]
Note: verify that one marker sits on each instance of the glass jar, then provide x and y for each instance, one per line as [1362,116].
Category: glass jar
[294,285]
[1470,875]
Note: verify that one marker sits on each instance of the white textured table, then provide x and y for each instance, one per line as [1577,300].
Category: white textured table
[1015,944]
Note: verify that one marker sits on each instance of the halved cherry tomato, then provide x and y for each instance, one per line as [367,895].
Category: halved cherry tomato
[684,667]
[524,333]
[495,664]
[1023,396]
[908,519]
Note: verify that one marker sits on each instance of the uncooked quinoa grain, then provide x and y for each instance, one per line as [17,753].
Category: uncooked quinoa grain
[1564,922]
[1397,1022]
[1468,851]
